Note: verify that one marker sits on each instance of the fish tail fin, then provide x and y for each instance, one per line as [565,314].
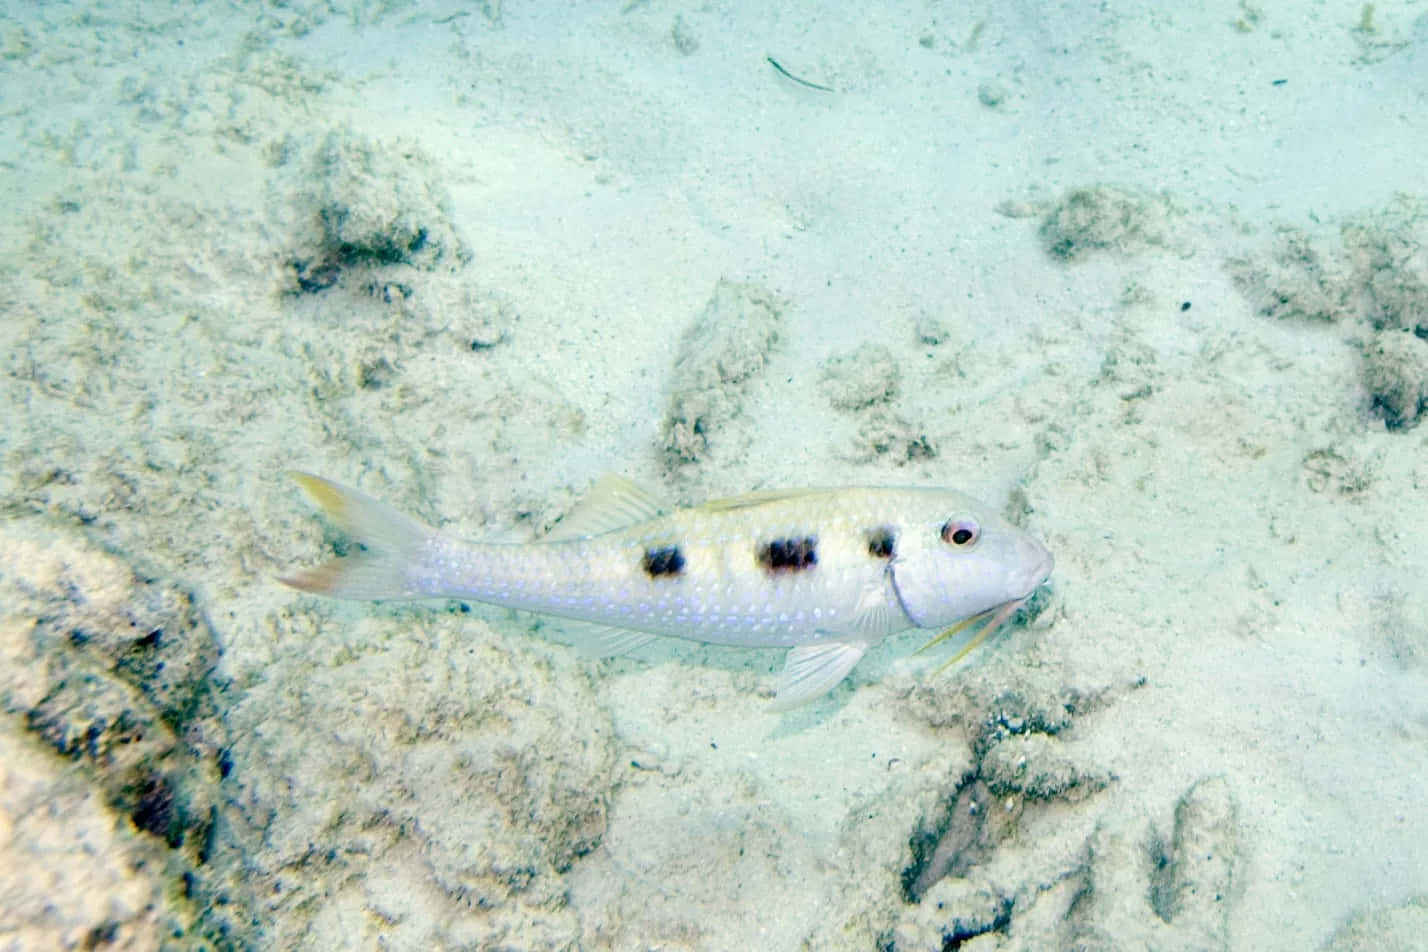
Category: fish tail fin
[391,543]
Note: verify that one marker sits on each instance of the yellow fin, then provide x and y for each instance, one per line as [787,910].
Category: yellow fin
[390,543]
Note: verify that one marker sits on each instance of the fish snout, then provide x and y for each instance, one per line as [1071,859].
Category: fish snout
[1035,563]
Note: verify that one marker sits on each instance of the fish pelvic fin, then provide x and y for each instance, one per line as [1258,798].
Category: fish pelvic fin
[389,544]
[813,670]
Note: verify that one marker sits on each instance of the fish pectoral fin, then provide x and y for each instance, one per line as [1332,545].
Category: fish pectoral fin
[614,502]
[811,671]
[878,613]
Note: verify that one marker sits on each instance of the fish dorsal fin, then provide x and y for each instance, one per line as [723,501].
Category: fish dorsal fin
[614,502]
[757,498]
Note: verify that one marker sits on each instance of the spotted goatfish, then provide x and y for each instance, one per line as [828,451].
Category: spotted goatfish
[824,572]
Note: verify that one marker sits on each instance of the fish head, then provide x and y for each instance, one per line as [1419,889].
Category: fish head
[957,558]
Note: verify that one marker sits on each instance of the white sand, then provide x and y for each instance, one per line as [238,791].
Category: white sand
[1213,735]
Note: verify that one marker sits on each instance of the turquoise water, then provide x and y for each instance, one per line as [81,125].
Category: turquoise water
[1149,281]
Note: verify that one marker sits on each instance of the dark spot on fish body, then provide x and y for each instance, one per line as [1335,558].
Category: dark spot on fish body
[882,542]
[788,555]
[663,562]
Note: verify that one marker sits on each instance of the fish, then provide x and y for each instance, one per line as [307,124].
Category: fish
[826,573]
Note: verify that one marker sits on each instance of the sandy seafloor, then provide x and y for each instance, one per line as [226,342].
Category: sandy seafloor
[1153,281]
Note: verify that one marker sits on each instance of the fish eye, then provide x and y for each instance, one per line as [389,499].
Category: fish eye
[960,532]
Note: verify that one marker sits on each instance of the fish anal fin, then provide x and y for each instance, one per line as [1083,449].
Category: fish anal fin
[604,641]
[812,670]
[614,502]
